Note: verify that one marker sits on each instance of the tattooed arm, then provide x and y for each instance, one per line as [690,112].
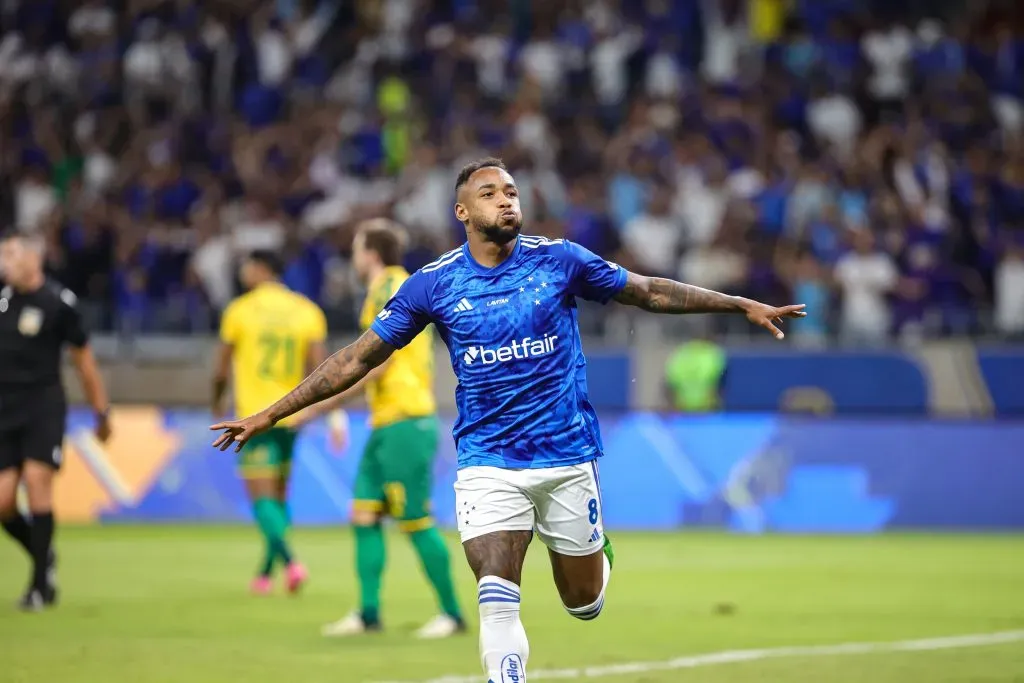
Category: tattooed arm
[660,295]
[336,374]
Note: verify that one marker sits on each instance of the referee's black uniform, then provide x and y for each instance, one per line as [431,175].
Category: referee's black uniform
[34,328]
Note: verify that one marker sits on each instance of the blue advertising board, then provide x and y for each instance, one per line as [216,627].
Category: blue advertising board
[749,473]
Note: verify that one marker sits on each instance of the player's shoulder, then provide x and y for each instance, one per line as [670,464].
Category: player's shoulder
[562,250]
[445,264]
[58,295]
[536,244]
[239,303]
[445,269]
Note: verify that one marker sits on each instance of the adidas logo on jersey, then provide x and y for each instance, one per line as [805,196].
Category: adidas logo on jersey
[463,306]
[517,350]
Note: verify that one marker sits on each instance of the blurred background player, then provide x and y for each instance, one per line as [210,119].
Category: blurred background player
[396,470]
[38,317]
[271,336]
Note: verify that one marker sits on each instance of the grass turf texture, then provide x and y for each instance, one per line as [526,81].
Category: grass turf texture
[170,605]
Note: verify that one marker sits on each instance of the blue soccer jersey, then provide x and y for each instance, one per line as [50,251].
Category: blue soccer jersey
[515,347]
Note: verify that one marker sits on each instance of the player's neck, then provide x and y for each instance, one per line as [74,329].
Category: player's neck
[491,254]
[374,272]
[31,284]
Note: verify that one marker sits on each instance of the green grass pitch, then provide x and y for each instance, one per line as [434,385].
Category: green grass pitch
[170,605]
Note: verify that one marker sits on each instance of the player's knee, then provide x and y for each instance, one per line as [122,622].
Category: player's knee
[585,603]
[8,493]
[362,517]
[581,595]
[38,480]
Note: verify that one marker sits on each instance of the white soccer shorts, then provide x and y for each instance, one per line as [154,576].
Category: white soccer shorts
[562,504]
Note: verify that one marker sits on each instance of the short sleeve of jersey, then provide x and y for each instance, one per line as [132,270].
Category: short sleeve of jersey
[592,277]
[405,314]
[74,329]
[231,324]
[317,324]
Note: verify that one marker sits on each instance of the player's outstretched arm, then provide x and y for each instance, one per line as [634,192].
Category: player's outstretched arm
[661,295]
[336,374]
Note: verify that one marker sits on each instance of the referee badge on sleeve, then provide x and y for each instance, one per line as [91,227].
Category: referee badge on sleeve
[30,321]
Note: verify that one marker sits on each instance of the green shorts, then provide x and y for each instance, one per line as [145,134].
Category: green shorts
[396,472]
[268,454]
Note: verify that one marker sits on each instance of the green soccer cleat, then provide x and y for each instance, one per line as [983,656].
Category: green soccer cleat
[609,551]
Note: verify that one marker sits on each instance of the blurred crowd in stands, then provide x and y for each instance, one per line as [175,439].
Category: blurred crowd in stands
[863,157]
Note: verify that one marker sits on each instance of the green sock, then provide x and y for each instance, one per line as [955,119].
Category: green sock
[370,568]
[271,520]
[609,551]
[286,510]
[433,554]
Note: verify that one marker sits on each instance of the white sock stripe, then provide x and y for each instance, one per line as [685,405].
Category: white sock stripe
[497,582]
[498,590]
[495,596]
[587,612]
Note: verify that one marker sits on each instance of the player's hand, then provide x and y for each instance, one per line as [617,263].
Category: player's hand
[103,427]
[767,316]
[239,431]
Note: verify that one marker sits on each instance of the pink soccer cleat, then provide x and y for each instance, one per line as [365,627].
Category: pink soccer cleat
[261,585]
[295,576]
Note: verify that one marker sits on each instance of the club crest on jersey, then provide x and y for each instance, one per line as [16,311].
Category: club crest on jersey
[30,321]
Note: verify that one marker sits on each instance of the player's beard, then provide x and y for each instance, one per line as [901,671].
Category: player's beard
[501,232]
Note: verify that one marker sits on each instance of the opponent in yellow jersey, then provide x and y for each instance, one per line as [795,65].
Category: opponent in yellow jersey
[270,337]
[395,474]
[405,387]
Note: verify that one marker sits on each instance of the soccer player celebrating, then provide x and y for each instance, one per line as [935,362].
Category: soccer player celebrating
[396,470]
[272,336]
[38,318]
[526,435]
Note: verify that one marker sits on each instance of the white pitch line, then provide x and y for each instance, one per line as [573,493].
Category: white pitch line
[736,656]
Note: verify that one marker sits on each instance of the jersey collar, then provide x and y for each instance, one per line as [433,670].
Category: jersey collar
[496,269]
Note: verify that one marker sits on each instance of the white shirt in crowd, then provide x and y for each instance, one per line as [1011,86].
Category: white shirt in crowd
[273,57]
[491,54]
[664,76]
[212,262]
[888,52]
[1009,296]
[837,120]
[701,206]
[92,19]
[544,61]
[34,201]
[608,64]
[865,280]
[712,267]
[428,205]
[654,241]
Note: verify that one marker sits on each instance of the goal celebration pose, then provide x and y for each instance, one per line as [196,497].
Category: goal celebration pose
[526,435]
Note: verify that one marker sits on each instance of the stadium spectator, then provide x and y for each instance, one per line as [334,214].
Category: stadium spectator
[790,126]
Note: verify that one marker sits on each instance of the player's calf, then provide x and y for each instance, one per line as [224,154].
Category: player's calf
[497,560]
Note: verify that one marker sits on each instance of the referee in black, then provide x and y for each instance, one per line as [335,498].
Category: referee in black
[37,319]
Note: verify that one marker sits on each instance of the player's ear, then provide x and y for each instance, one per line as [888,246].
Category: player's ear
[461,212]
